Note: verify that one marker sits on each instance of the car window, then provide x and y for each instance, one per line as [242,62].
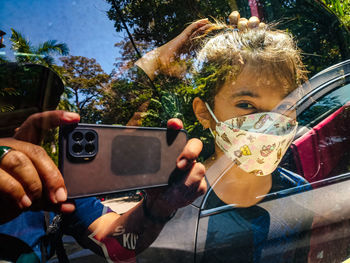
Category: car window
[324,106]
[96,58]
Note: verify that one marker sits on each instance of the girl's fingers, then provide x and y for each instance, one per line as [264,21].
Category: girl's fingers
[253,22]
[234,18]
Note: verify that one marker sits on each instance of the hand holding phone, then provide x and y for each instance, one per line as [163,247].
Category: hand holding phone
[100,159]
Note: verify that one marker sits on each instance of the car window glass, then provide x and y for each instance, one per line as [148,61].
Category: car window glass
[324,106]
[90,49]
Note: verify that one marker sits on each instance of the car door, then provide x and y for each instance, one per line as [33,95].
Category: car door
[303,223]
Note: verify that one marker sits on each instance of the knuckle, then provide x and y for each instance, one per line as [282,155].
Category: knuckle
[13,188]
[38,151]
[34,117]
[200,169]
[35,190]
[16,159]
[197,141]
[55,180]
[191,154]
[203,187]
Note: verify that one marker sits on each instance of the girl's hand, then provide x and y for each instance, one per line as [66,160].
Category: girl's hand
[167,58]
[243,23]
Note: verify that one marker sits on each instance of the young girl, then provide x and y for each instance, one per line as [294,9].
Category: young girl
[248,75]
[249,84]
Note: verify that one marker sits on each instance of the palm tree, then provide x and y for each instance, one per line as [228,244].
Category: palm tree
[42,54]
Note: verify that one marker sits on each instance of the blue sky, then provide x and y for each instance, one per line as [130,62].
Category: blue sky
[82,24]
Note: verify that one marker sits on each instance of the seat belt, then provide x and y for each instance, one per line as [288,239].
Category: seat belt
[54,235]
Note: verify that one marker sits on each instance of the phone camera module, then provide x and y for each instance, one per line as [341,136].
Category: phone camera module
[82,144]
[90,136]
[77,148]
[89,148]
[77,136]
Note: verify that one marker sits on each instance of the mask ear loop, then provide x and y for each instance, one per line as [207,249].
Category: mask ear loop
[211,113]
[213,116]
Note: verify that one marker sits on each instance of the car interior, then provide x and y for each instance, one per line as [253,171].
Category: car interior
[316,153]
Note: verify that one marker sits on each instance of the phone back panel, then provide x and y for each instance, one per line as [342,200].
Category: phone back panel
[124,158]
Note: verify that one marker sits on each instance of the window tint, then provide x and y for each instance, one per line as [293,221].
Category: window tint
[324,106]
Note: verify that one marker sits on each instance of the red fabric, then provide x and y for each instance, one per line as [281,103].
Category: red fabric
[318,151]
[114,251]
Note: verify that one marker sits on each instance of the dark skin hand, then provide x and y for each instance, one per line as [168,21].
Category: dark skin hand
[29,179]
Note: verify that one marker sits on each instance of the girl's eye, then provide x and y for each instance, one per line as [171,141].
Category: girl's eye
[245,105]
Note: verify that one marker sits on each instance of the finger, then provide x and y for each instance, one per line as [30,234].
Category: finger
[200,31]
[234,18]
[11,189]
[253,22]
[37,124]
[175,124]
[262,25]
[189,154]
[193,182]
[67,207]
[195,26]
[52,119]
[203,187]
[242,24]
[196,174]
[19,166]
[49,174]
[47,205]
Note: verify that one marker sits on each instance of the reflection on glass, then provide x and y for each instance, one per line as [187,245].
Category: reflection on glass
[93,47]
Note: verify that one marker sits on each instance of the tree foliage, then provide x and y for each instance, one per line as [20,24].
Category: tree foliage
[341,8]
[86,81]
[319,33]
[41,54]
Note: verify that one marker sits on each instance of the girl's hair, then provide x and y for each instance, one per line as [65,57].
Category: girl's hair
[225,51]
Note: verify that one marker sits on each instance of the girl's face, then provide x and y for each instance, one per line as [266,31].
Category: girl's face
[251,92]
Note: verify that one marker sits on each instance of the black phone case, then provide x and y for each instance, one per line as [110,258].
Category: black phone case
[101,159]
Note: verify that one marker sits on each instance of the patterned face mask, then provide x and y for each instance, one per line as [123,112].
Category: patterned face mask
[255,142]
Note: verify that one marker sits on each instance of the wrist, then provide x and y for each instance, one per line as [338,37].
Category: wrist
[149,63]
[157,211]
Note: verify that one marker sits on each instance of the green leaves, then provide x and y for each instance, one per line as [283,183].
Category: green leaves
[341,8]
[42,54]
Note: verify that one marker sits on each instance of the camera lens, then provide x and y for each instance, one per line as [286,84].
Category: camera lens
[77,136]
[89,148]
[90,136]
[77,148]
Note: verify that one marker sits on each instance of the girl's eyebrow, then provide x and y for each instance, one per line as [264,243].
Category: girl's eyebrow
[245,93]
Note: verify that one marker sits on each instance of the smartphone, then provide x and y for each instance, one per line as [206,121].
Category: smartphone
[102,159]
